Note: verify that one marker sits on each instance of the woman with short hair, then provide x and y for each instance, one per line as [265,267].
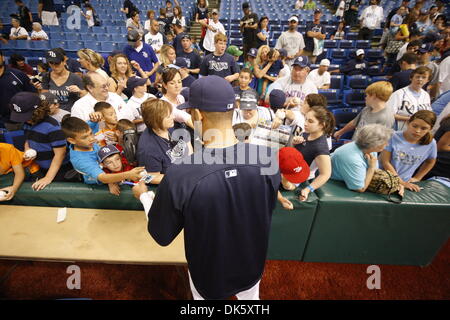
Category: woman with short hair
[355,162]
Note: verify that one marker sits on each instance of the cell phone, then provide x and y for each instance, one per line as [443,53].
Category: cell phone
[35,80]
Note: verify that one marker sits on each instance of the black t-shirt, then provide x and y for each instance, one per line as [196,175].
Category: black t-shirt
[221,66]
[156,154]
[65,97]
[442,166]
[309,41]
[225,206]
[249,35]
[48,5]
[12,81]
[202,13]
[25,18]
[401,79]
[311,149]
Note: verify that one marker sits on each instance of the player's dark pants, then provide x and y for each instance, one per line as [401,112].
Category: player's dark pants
[365,34]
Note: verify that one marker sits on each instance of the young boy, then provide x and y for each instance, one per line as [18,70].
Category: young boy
[103,123]
[83,155]
[377,94]
[55,112]
[138,86]
[113,161]
[245,78]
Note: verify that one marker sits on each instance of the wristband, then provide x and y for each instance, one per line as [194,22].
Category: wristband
[310,188]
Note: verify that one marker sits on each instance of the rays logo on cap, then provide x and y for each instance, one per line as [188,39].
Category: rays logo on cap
[106,150]
[17,108]
[52,54]
[42,97]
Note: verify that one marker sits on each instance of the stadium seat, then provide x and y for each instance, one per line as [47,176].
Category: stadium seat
[363,44]
[337,56]
[344,115]
[376,71]
[346,44]
[330,43]
[379,78]
[374,55]
[332,96]
[356,82]
[354,98]
[337,82]
[72,36]
[107,47]
[40,45]
[351,36]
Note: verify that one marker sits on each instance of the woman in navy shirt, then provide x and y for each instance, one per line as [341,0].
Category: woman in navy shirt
[319,124]
[157,150]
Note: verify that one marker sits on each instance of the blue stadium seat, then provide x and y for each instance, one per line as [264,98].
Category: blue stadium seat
[330,43]
[72,36]
[356,82]
[351,36]
[89,36]
[354,98]
[40,45]
[374,55]
[107,47]
[344,115]
[379,78]
[332,96]
[337,56]
[376,70]
[363,44]
[337,82]
[57,36]
[346,44]
[74,45]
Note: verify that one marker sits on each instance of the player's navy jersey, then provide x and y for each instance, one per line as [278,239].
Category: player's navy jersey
[225,210]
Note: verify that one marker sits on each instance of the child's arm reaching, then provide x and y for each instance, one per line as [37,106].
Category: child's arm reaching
[114,188]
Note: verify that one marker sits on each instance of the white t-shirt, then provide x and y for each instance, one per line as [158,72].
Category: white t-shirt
[135,104]
[178,115]
[18,32]
[293,42]
[41,35]
[402,51]
[293,89]
[90,20]
[147,25]
[404,103]
[156,41]
[208,42]
[340,9]
[319,80]
[371,17]
[444,75]
[85,106]
[183,21]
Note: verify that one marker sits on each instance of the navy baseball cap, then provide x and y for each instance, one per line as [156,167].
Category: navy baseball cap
[185,36]
[134,82]
[301,61]
[133,35]
[22,105]
[54,56]
[49,97]
[185,93]
[253,52]
[211,94]
[181,62]
[426,47]
[248,100]
[277,98]
[283,52]
[107,151]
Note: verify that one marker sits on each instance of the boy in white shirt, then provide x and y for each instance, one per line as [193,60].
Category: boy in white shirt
[320,76]
[138,87]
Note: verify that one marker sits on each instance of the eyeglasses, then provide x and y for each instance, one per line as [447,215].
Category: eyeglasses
[103,86]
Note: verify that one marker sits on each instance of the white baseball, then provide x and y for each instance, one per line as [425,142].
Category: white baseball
[30,153]
[3,194]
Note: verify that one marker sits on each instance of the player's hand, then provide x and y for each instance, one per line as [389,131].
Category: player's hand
[95,116]
[139,189]
[304,194]
[135,174]
[286,204]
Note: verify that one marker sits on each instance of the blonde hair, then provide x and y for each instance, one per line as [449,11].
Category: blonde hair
[220,37]
[380,89]
[164,50]
[113,68]
[93,57]
[258,56]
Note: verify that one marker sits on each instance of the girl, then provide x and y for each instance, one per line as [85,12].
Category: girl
[411,148]
[89,15]
[201,16]
[44,135]
[314,147]
[263,33]
[121,71]
[340,32]
[261,67]
[167,57]
[150,17]
[178,15]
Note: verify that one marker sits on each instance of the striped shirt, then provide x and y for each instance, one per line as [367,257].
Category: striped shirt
[43,137]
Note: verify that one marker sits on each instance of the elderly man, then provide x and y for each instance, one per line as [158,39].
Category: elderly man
[320,76]
[17,32]
[141,55]
[292,41]
[97,87]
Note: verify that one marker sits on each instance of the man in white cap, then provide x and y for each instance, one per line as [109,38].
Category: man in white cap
[320,76]
[357,65]
[292,41]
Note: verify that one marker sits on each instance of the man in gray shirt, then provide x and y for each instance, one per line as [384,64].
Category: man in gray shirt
[292,41]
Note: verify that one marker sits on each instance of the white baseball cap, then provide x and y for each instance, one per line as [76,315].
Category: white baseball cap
[293,18]
[359,52]
[325,62]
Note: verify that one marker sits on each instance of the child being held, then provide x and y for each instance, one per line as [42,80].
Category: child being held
[104,123]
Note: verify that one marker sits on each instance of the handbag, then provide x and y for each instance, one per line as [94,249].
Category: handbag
[385,182]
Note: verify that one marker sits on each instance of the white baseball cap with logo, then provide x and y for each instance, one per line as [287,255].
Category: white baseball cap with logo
[359,52]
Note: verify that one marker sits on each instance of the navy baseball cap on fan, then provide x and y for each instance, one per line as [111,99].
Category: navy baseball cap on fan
[277,99]
[181,62]
[211,94]
[185,93]
[426,47]
[185,36]
[22,105]
[248,100]
[292,165]
[134,82]
[253,52]
[283,52]
[49,97]
[107,151]
[301,61]
[54,56]
[133,35]
[245,5]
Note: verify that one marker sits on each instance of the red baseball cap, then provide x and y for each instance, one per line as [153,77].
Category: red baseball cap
[292,165]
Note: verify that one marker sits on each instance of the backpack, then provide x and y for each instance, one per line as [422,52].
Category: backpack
[130,141]
[385,182]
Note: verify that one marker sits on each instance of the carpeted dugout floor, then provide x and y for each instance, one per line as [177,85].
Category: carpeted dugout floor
[282,280]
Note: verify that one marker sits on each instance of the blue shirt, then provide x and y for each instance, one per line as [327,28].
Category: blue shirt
[441,102]
[146,57]
[350,165]
[43,137]
[407,157]
[86,163]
